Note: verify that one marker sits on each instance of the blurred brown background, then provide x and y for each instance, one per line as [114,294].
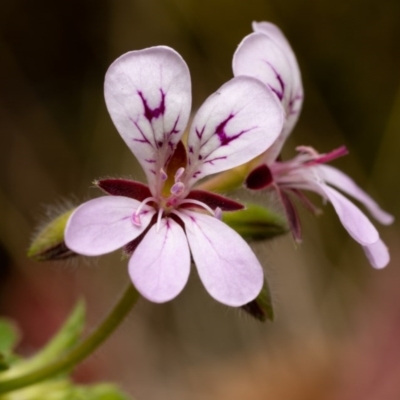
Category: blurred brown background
[337,332]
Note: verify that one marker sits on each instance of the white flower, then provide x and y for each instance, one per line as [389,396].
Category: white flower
[148,95]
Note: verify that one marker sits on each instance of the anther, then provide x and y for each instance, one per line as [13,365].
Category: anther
[177,188]
[136,215]
[163,175]
[179,173]
[160,213]
[136,219]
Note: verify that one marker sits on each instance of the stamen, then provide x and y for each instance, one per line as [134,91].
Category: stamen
[177,188]
[159,215]
[136,215]
[218,213]
[308,150]
[198,203]
[332,155]
[179,173]
[136,220]
[163,175]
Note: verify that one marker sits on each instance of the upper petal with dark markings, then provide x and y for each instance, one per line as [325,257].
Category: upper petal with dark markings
[233,126]
[148,96]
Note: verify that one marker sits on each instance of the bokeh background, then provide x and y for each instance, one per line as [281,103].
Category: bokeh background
[337,328]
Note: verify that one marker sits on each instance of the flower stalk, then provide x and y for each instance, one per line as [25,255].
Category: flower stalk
[82,350]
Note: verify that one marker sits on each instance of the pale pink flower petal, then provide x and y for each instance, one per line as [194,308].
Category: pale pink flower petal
[160,265]
[267,55]
[233,126]
[148,96]
[103,225]
[226,264]
[275,34]
[273,31]
[354,221]
[377,254]
[343,182]
[259,56]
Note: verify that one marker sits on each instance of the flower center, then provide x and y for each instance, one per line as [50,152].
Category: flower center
[176,198]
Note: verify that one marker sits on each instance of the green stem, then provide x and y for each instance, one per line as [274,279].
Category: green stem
[82,350]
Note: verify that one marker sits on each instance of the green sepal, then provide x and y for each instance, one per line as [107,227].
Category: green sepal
[49,242]
[256,222]
[261,307]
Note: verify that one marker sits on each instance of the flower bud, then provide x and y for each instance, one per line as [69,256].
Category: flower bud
[49,242]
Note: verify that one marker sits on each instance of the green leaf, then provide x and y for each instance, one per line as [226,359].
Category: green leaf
[256,222]
[65,338]
[9,336]
[49,242]
[59,387]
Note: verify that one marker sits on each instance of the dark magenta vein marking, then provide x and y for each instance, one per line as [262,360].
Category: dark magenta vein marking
[223,137]
[174,130]
[215,159]
[150,113]
[293,101]
[196,174]
[278,77]
[200,133]
[144,138]
[220,130]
